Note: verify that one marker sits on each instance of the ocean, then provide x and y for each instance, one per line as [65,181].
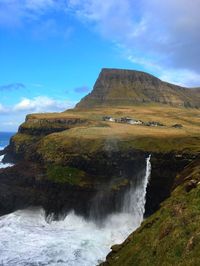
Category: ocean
[27,239]
[4,141]
[5,138]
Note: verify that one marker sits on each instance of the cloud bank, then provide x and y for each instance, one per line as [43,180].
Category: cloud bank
[37,104]
[162,36]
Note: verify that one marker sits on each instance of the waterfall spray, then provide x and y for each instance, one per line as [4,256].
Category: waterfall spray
[74,240]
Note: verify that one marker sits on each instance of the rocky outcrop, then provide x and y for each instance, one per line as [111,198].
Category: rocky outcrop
[164,169]
[96,182]
[23,145]
[62,189]
[26,184]
[43,126]
[117,87]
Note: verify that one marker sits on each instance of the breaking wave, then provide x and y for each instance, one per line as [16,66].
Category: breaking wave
[27,238]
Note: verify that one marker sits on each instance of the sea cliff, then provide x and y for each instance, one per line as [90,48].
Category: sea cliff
[68,161]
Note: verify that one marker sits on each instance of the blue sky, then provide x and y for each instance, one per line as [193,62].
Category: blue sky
[52,51]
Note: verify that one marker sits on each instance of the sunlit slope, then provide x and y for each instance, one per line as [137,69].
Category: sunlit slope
[117,87]
[58,135]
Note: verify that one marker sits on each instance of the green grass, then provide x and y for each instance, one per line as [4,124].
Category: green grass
[171,236]
[61,174]
[163,145]
[96,135]
[24,142]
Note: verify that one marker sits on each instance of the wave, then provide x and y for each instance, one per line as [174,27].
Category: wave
[4,165]
[26,238]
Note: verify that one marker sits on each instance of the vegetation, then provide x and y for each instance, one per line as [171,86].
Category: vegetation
[116,87]
[23,142]
[96,135]
[61,174]
[171,236]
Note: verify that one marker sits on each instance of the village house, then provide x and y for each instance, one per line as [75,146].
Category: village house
[108,118]
[126,120]
[131,121]
[153,124]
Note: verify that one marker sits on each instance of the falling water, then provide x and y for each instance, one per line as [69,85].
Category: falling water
[135,198]
[27,239]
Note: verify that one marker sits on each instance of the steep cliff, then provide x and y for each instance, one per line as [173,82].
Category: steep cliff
[78,154]
[171,235]
[117,87]
[63,160]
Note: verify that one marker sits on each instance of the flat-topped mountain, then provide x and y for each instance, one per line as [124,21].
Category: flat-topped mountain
[117,87]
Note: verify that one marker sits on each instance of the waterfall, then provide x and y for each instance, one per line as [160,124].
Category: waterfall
[135,198]
[73,241]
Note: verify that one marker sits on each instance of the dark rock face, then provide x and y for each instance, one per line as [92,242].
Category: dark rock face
[127,87]
[26,184]
[43,127]
[165,168]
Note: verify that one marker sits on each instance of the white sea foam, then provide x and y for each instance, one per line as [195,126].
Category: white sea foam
[4,165]
[27,239]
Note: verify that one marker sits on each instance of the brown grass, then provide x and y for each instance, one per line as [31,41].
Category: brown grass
[162,139]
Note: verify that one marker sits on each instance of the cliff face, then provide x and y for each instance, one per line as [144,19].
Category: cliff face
[63,160]
[78,153]
[75,183]
[171,235]
[116,87]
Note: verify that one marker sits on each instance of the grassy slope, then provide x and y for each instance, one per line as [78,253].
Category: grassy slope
[171,236]
[96,135]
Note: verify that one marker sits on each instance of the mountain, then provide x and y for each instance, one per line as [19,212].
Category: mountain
[117,87]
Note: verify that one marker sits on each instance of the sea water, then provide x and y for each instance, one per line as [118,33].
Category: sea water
[4,141]
[27,239]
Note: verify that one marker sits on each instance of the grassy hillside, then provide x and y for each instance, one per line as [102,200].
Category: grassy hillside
[171,236]
[93,134]
[115,87]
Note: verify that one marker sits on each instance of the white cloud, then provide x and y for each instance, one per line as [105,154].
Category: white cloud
[42,104]
[156,34]
[37,104]
[14,115]
[40,16]
[183,77]
[16,13]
